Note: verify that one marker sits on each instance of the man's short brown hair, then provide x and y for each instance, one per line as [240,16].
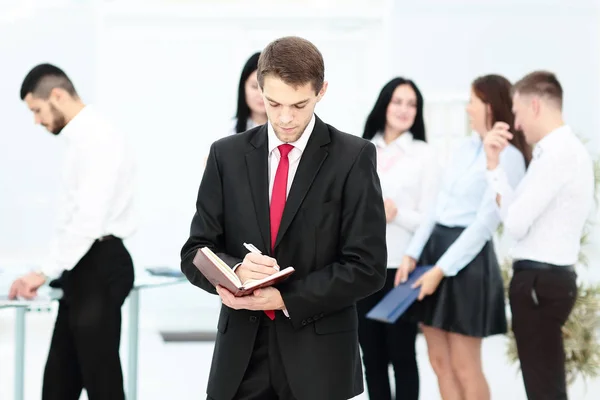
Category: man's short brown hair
[294,60]
[540,83]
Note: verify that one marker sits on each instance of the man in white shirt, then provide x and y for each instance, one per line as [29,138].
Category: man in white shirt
[546,216]
[87,258]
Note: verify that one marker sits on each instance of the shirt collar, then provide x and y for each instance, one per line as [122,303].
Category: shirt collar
[299,144]
[476,138]
[78,121]
[550,140]
[403,141]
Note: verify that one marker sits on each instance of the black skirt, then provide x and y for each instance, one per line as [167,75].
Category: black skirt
[471,302]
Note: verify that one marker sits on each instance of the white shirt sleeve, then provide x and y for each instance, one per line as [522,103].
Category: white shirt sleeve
[545,177]
[410,219]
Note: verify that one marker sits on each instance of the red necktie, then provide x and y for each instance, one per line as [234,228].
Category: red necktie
[278,198]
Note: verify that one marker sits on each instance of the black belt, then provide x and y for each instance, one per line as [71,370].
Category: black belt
[520,265]
[107,237]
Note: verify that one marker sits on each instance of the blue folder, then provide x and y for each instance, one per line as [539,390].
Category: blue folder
[397,301]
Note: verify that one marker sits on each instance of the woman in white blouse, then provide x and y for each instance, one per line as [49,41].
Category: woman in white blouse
[250,106]
[462,296]
[408,172]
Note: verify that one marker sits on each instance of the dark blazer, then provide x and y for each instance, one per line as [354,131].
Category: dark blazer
[332,232]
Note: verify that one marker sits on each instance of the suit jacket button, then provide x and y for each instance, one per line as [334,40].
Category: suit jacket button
[322,315]
[309,319]
[253,318]
[304,322]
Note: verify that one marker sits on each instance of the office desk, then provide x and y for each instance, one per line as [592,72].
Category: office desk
[21,307]
[46,298]
[144,282]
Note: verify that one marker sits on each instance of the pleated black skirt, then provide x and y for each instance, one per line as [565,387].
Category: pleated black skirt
[471,302]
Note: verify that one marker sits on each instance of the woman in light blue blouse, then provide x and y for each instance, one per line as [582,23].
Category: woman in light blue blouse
[462,297]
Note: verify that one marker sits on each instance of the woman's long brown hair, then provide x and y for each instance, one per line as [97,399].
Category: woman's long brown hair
[495,91]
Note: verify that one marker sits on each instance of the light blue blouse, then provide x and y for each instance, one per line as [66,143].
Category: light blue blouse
[466,200]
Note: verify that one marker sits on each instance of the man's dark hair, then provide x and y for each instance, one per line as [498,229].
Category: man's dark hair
[540,83]
[294,60]
[43,78]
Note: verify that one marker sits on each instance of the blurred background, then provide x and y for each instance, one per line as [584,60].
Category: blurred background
[167,71]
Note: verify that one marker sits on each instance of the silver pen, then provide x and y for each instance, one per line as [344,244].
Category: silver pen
[252,248]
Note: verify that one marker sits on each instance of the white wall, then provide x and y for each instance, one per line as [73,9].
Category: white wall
[444,45]
[172,88]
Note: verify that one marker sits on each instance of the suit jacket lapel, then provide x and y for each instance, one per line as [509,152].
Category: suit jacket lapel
[258,175]
[313,157]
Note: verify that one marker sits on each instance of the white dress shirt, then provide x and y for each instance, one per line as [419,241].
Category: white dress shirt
[409,173]
[293,157]
[98,190]
[548,210]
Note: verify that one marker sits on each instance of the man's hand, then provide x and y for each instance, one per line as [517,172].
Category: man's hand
[390,210]
[267,298]
[26,286]
[429,282]
[408,265]
[255,267]
[494,142]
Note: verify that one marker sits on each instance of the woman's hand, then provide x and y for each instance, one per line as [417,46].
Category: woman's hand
[429,282]
[407,266]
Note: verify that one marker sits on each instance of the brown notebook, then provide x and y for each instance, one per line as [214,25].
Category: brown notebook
[219,273]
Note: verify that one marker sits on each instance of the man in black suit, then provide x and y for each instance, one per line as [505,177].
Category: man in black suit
[306,195]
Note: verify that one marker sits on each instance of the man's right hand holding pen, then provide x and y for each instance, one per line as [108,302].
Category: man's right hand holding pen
[255,265]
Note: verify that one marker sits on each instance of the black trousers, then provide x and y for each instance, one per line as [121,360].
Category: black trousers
[541,301]
[84,352]
[383,344]
[265,377]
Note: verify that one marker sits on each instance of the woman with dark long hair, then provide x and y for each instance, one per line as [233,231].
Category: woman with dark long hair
[462,296]
[250,106]
[408,173]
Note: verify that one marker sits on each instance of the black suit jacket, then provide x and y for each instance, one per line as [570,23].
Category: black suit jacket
[332,232]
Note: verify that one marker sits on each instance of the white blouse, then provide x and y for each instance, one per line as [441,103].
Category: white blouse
[409,173]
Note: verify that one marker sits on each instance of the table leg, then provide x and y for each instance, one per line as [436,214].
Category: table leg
[20,353]
[132,361]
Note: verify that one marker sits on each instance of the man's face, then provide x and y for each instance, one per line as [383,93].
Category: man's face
[525,111]
[289,108]
[46,114]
